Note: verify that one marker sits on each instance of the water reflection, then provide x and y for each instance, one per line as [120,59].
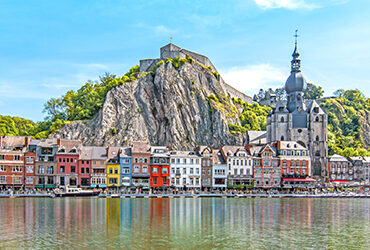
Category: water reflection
[185,223]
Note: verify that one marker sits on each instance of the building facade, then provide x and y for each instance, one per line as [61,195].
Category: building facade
[46,165]
[98,167]
[12,149]
[219,170]
[301,121]
[159,167]
[239,165]
[185,169]
[126,166]
[340,170]
[140,165]
[84,167]
[113,167]
[206,163]
[267,172]
[367,169]
[67,162]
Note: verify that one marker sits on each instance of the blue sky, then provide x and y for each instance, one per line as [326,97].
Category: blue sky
[49,47]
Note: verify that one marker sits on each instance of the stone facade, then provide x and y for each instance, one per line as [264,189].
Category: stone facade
[301,121]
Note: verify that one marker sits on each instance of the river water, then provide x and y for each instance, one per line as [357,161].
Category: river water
[293,223]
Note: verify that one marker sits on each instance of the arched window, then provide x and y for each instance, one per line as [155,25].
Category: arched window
[317,153]
[317,138]
[317,119]
[282,138]
[282,119]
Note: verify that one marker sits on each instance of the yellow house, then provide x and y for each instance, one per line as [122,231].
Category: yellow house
[113,167]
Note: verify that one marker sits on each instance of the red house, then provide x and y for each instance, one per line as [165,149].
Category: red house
[67,162]
[159,167]
[84,167]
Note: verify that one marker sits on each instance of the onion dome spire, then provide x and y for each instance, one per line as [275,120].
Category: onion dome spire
[296,62]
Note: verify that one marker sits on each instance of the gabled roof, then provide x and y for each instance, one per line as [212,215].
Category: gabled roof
[313,105]
[69,145]
[337,158]
[291,145]
[125,152]
[10,142]
[217,157]
[233,150]
[113,153]
[86,153]
[140,147]
[99,153]
[257,137]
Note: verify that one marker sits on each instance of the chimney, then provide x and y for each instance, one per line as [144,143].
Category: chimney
[59,142]
[27,141]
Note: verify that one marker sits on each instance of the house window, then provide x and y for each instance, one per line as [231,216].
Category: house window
[29,169]
[136,169]
[145,169]
[164,170]
[29,159]
[50,170]
[110,170]
[42,169]
[154,180]
[87,170]
[154,170]
[2,168]
[116,171]
[73,169]
[112,180]
[17,157]
[17,180]
[82,170]
[29,180]
[2,179]
[17,169]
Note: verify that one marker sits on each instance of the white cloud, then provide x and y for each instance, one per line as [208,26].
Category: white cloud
[162,30]
[250,78]
[297,4]
[287,4]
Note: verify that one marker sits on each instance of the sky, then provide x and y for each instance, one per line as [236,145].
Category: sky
[50,47]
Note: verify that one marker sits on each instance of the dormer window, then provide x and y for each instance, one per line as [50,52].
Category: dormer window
[73,150]
[62,150]
[316,109]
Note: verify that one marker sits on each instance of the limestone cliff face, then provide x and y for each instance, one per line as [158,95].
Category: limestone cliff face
[180,108]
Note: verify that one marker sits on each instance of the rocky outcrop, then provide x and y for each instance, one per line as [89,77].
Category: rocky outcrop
[180,108]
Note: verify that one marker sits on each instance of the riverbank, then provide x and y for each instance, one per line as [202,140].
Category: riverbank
[327,195]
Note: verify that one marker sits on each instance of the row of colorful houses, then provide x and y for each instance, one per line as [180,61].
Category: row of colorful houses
[52,163]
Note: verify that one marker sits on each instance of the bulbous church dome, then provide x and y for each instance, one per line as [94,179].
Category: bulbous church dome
[295,82]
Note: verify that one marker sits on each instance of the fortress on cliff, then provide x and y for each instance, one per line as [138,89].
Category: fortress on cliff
[171,51]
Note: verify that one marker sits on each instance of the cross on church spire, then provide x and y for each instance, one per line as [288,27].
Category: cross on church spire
[296,37]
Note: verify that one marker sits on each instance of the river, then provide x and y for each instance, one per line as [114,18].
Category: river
[288,223]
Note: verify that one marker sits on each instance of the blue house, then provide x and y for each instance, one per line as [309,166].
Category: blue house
[126,166]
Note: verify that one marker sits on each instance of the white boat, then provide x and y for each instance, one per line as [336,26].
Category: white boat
[74,191]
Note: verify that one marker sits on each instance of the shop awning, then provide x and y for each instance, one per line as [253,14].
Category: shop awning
[341,181]
[299,179]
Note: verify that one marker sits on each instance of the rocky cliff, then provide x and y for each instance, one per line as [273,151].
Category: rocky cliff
[176,106]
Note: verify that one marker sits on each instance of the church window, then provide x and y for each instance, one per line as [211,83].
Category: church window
[282,119]
[316,109]
[281,109]
[317,138]
[317,119]
[299,97]
[282,138]
[299,130]
[317,153]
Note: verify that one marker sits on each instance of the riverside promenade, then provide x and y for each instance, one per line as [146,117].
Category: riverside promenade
[240,196]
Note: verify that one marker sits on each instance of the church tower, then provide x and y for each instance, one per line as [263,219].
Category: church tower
[300,120]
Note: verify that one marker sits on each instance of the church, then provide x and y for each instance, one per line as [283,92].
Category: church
[300,120]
